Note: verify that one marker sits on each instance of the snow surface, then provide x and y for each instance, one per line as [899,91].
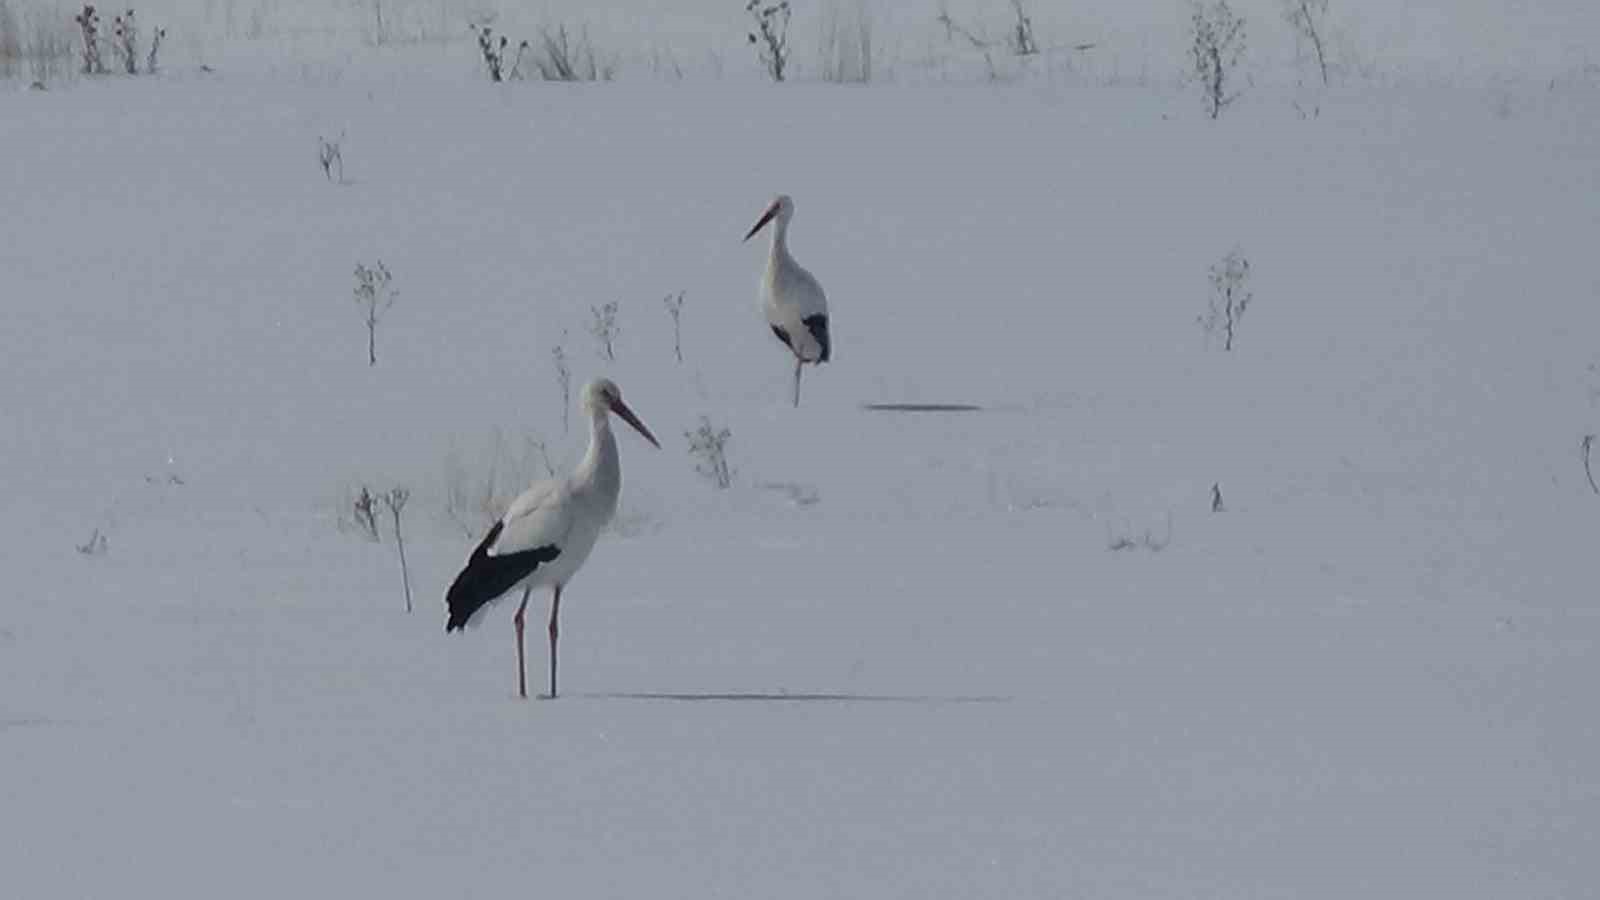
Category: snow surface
[899,658]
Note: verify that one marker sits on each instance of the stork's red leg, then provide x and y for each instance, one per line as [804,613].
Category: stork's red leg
[798,362]
[522,667]
[555,610]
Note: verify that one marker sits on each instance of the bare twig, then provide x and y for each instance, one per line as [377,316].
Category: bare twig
[365,512]
[331,155]
[1022,42]
[562,57]
[605,329]
[1305,17]
[564,380]
[155,48]
[89,25]
[126,37]
[772,26]
[374,295]
[381,35]
[1588,446]
[494,50]
[674,305]
[395,500]
[1230,298]
[953,28]
[95,546]
[1218,45]
[709,446]
[516,63]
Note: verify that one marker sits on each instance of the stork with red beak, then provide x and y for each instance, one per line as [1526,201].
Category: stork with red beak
[797,309]
[547,533]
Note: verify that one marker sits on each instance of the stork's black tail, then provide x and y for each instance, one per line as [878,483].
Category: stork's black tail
[487,577]
[818,326]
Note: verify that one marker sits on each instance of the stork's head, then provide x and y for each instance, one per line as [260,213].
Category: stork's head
[602,396]
[781,208]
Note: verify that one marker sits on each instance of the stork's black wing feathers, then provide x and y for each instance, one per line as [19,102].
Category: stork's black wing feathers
[487,577]
[818,326]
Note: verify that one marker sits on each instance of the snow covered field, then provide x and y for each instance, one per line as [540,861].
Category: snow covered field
[1002,653]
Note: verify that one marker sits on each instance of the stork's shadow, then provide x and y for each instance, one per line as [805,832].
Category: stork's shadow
[786,697]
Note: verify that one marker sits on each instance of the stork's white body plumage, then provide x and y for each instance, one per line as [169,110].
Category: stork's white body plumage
[790,295]
[793,299]
[549,531]
[565,513]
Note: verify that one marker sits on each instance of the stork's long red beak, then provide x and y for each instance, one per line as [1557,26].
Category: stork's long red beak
[621,409]
[761,223]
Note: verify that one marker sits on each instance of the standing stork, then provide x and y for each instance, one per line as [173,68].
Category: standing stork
[546,535]
[795,305]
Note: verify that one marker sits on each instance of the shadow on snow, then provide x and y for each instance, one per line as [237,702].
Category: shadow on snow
[794,698]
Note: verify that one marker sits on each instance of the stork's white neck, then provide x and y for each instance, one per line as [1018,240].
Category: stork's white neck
[780,238]
[601,469]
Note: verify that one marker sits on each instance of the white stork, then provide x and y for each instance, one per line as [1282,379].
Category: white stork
[795,305]
[546,535]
